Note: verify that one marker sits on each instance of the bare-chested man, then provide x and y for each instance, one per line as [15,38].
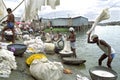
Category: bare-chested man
[108,51]
[10,24]
[72,39]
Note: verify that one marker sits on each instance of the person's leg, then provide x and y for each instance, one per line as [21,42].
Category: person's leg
[109,63]
[13,31]
[74,52]
[110,60]
[2,36]
[101,59]
[73,48]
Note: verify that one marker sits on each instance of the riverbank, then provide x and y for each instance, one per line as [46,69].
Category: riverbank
[22,72]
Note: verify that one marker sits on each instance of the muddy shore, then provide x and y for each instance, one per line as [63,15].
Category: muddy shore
[22,71]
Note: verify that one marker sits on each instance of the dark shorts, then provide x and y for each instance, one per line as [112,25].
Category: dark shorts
[113,55]
[10,25]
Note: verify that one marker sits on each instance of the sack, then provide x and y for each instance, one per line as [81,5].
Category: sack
[46,70]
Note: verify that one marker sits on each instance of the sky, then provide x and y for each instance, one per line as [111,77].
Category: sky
[87,8]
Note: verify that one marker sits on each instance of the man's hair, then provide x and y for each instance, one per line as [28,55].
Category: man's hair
[9,9]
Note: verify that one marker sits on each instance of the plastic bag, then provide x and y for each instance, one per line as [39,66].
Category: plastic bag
[33,57]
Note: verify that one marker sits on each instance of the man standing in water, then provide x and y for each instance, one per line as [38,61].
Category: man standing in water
[105,47]
[10,24]
[72,39]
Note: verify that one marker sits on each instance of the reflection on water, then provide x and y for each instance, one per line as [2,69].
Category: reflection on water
[91,52]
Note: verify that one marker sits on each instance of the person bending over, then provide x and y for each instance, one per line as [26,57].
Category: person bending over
[105,47]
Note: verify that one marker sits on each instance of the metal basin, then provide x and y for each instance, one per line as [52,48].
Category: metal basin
[18,49]
[102,73]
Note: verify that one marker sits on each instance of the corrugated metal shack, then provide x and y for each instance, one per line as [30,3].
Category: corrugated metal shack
[76,22]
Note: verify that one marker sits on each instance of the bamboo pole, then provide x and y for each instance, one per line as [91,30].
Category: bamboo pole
[18,5]
[13,10]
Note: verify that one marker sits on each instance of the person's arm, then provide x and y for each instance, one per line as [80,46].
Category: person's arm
[88,39]
[6,20]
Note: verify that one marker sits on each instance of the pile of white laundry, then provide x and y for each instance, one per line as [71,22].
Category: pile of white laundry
[7,62]
[35,45]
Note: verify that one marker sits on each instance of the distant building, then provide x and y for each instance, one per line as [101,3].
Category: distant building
[75,21]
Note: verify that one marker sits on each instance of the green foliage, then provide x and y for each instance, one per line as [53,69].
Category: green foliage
[62,30]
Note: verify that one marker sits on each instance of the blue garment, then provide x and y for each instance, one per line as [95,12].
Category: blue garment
[113,55]
[10,25]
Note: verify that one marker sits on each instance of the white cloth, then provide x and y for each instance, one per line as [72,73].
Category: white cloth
[36,44]
[44,69]
[7,62]
[103,16]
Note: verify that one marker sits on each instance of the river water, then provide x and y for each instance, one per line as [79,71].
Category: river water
[91,52]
